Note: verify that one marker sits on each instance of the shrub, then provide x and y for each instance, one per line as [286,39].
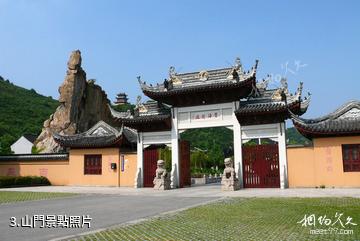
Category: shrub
[23,181]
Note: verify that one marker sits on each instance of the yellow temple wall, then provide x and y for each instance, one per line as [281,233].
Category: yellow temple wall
[55,171]
[322,164]
[108,177]
[71,172]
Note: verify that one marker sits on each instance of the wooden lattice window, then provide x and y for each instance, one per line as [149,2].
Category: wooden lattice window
[351,157]
[92,165]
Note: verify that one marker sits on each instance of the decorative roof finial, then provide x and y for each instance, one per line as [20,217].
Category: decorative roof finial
[238,65]
[172,72]
[138,100]
[281,93]
[264,83]
[299,90]
[173,78]
[203,75]
[139,80]
[139,107]
[284,84]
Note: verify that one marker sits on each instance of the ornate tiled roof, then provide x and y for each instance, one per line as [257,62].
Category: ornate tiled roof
[202,87]
[100,135]
[119,114]
[258,105]
[343,121]
[146,115]
[143,111]
[272,104]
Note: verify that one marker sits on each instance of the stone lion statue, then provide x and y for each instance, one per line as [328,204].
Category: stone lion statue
[162,177]
[229,181]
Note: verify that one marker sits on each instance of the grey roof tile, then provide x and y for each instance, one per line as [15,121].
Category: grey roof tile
[100,135]
[343,121]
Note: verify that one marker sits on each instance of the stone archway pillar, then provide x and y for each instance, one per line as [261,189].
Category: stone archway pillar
[139,176]
[238,164]
[282,155]
[175,178]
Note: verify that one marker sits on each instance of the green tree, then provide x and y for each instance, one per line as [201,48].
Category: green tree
[124,107]
[5,142]
[22,111]
[165,154]
[198,159]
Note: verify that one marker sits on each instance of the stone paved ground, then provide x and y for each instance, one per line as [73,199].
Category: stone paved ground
[203,191]
[105,211]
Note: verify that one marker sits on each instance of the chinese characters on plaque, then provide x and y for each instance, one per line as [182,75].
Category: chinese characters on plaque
[205,115]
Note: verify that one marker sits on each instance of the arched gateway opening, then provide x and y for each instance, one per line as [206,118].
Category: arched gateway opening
[226,97]
[208,148]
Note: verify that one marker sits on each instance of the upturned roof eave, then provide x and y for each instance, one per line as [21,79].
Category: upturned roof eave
[153,93]
[90,142]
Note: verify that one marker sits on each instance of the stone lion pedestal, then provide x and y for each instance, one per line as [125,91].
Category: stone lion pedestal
[162,178]
[229,181]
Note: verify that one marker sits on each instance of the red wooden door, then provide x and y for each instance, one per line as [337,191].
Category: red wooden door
[151,157]
[185,176]
[261,166]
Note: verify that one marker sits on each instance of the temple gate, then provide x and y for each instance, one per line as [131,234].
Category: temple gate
[227,97]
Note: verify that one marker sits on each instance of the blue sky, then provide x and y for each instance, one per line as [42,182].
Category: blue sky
[120,40]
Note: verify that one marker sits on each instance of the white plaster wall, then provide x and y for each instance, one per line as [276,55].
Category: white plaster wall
[22,146]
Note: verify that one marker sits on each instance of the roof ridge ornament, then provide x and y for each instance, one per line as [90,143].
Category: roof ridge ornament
[142,83]
[299,90]
[238,65]
[203,75]
[176,80]
[140,107]
[284,85]
[264,83]
[281,92]
[236,70]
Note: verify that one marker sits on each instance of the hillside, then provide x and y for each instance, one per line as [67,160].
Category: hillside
[295,138]
[21,111]
[24,111]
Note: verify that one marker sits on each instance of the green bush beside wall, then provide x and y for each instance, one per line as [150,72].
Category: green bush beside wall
[7,181]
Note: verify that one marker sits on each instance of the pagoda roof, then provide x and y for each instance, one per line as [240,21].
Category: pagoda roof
[148,116]
[269,106]
[100,135]
[203,87]
[344,121]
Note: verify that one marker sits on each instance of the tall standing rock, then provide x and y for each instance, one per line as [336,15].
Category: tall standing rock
[82,104]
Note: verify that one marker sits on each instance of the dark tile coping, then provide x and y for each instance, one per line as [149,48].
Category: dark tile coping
[35,157]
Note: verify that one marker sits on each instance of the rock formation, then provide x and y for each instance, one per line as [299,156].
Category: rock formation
[82,105]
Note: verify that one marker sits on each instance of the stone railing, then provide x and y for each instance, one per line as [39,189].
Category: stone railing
[206,179]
